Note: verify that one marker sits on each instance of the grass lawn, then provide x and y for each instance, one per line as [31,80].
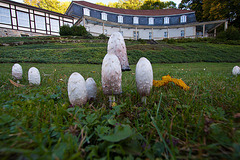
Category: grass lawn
[38,122]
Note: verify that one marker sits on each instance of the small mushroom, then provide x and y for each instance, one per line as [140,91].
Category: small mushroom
[91,87]
[116,45]
[111,76]
[34,76]
[236,70]
[17,71]
[77,92]
[144,77]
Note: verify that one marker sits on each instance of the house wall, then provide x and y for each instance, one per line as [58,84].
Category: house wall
[19,19]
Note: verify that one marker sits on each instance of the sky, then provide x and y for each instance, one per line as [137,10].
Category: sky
[106,1]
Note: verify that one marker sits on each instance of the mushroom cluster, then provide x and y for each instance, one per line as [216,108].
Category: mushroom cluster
[144,77]
[236,70]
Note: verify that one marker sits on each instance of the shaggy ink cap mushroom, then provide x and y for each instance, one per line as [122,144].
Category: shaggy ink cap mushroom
[17,71]
[34,76]
[91,87]
[77,92]
[117,46]
[236,70]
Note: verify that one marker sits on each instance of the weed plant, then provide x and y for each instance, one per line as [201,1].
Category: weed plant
[38,122]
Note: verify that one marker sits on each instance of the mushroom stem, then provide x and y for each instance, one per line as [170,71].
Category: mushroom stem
[144,99]
[111,100]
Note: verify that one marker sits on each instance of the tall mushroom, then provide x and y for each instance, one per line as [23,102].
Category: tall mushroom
[77,92]
[111,76]
[91,87]
[34,76]
[17,71]
[236,70]
[144,78]
[116,45]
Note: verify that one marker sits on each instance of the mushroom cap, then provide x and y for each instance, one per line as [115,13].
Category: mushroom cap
[91,87]
[116,45]
[236,70]
[77,92]
[111,75]
[34,76]
[17,71]
[144,76]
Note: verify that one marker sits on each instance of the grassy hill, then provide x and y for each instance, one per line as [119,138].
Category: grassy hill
[92,51]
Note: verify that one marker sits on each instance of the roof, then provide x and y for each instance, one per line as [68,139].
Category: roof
[34,8]
[157,12]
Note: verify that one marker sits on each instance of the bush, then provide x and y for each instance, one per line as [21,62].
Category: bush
[102,36]
[232,33]
[65,30]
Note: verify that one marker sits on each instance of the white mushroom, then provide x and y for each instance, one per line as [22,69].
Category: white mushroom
[77,92]
[91,87]
[236,70]
[17,71]
[144,77]
[111,76]
[34,76]
[116,45]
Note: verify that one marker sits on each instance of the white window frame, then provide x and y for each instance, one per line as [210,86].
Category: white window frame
[166,20]
[54,24]
[150,35]
[40,22]
[120,19]
[151,21]
[183,19]
[23,19]
[135,20]
[5,16]
[86,11]
[104,16]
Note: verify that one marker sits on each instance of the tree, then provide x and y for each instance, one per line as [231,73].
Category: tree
[130,4]
[52,5]
[152,4]
[195,5]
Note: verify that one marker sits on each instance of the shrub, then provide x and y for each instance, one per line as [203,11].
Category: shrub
[102,36]
[78,30]
[232,33]
[65,30]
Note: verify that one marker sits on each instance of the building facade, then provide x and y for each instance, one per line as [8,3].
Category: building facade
[17,19]
[135,24]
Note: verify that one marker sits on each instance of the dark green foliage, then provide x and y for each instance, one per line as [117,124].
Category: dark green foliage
[102,36]
[231,33]
[78,30]
[65,30]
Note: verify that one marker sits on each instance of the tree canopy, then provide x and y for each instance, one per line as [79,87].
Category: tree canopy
[52,5]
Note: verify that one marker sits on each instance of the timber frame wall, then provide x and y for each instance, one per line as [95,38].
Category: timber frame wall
[33,12]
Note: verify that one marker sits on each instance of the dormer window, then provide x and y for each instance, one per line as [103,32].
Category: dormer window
[150,21]
[166,20]
[135,20]
[86,11]
[104,16]
[183,19]
[120,19]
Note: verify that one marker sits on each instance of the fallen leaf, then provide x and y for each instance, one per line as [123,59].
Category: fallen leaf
[16,84]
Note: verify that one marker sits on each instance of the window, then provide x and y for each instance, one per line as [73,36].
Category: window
[183,19]
[104,16]
[135,20]
[105,32]
[120,19]
[121,32]
[166,20]
[136,36]
[54,25]
[23,19]
[40,22]
[165,34]
[150,20]
[5,16]
[150,35]
[182,33]
[86,11]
